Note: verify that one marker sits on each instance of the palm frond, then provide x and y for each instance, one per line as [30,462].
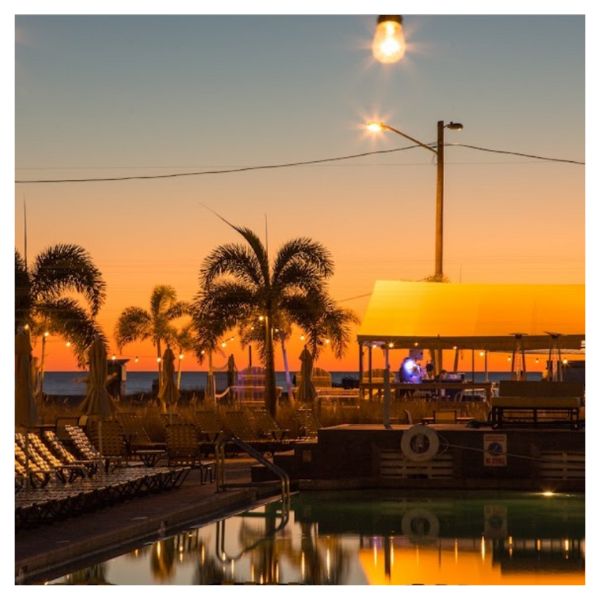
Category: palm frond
[254,242]
[65,317]
[162,298]
[303,251]
[231,259]
[134,324]
[177,310]
[66,267]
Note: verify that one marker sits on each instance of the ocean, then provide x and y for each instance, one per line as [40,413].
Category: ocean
[72,383]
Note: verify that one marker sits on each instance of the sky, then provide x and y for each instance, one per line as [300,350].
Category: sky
[125,95]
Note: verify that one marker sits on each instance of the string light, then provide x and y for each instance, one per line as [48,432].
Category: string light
[137,359]
[68,344]
[159,359]
[181,356]
[46,334]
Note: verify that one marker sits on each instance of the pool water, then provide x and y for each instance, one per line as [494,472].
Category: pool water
[370,537]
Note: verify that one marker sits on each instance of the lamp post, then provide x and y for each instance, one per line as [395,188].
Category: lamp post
[438,150]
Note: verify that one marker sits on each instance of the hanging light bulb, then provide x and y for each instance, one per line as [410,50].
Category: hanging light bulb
[137,360]
[181,356]
[68,344]
[389,44]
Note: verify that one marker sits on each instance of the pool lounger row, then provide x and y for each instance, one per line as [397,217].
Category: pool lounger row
[36,506]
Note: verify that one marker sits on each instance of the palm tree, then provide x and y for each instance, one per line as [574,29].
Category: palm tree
[184,341]
[40,303]
[326,323]
[282,330]
[239,282]
[137,324]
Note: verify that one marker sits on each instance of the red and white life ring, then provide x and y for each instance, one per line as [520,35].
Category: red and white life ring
[420,443]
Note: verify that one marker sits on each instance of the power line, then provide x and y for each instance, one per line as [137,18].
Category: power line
[289,164]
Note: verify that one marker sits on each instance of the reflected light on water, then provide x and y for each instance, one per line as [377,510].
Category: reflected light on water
[527,540]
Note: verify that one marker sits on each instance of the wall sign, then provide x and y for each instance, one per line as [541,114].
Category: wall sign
[494,449]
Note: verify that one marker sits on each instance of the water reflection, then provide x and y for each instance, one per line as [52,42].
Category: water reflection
[370,538]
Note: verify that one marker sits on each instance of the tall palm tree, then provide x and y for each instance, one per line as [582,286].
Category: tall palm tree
[326,323]
[239,281]
[137,324]
[40,301]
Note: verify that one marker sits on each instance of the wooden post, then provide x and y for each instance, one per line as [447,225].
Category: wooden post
[370,360]
[360,369]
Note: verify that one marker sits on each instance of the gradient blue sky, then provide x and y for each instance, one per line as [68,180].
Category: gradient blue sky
[105,95]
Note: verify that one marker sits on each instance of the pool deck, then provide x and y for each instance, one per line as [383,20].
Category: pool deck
[41,552]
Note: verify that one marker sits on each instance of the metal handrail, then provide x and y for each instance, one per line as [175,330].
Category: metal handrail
[220,464]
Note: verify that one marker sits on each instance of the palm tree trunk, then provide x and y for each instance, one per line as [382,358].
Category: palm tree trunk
[42,361]
[210,384]
[179,374]
[270,389]
[288,378]
[158,356]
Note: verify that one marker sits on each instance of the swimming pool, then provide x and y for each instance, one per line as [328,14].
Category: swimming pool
[369,537]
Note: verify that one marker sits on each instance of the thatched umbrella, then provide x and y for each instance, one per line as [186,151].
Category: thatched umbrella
[306,389]
[25,407]
[97,401]
[168,393]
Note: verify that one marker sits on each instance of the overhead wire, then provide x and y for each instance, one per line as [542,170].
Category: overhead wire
[290,164]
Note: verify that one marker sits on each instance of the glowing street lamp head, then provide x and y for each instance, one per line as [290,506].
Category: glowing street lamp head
[374,126]
[389,44]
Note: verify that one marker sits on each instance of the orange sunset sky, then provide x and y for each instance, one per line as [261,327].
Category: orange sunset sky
[105,96]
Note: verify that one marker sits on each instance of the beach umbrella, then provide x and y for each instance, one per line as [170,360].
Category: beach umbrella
[97,401]
[168,393]
[231,376]
[306,389]
[231,371]
[25,407]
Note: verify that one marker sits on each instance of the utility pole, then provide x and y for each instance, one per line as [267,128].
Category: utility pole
[439,205]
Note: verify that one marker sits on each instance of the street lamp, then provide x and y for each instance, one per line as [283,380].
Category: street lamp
[438,150]
[389,44]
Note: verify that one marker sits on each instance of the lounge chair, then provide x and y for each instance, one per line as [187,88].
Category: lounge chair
[51,439]
[183,449]
[308,424]
[266,426]
[41,460]
[208,424]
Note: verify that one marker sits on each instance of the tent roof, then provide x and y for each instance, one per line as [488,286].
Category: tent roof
[475,315]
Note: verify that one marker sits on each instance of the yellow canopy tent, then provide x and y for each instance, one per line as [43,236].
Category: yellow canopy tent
[470,315]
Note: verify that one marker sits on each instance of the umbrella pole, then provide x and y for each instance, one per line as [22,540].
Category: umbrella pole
[26,458]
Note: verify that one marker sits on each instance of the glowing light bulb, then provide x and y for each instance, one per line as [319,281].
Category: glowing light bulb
[113,357]
[137,360]
[302,338]
[46,333]
[482,354]
[159,359]
[26,327]
[181,356]
[389,44]
[374,127]
[68,344]
[327,341]
[391,345]
[261,318]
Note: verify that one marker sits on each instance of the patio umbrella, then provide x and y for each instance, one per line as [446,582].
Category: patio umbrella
[97,401]
[168,393]
[306,389]
[25,407]
[231,371]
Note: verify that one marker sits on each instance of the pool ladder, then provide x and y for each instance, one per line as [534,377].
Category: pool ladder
[220,444]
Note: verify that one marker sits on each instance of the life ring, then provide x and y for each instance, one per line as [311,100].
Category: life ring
[420,526]
[420,443]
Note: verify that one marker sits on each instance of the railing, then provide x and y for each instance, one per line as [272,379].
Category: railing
[223,439]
